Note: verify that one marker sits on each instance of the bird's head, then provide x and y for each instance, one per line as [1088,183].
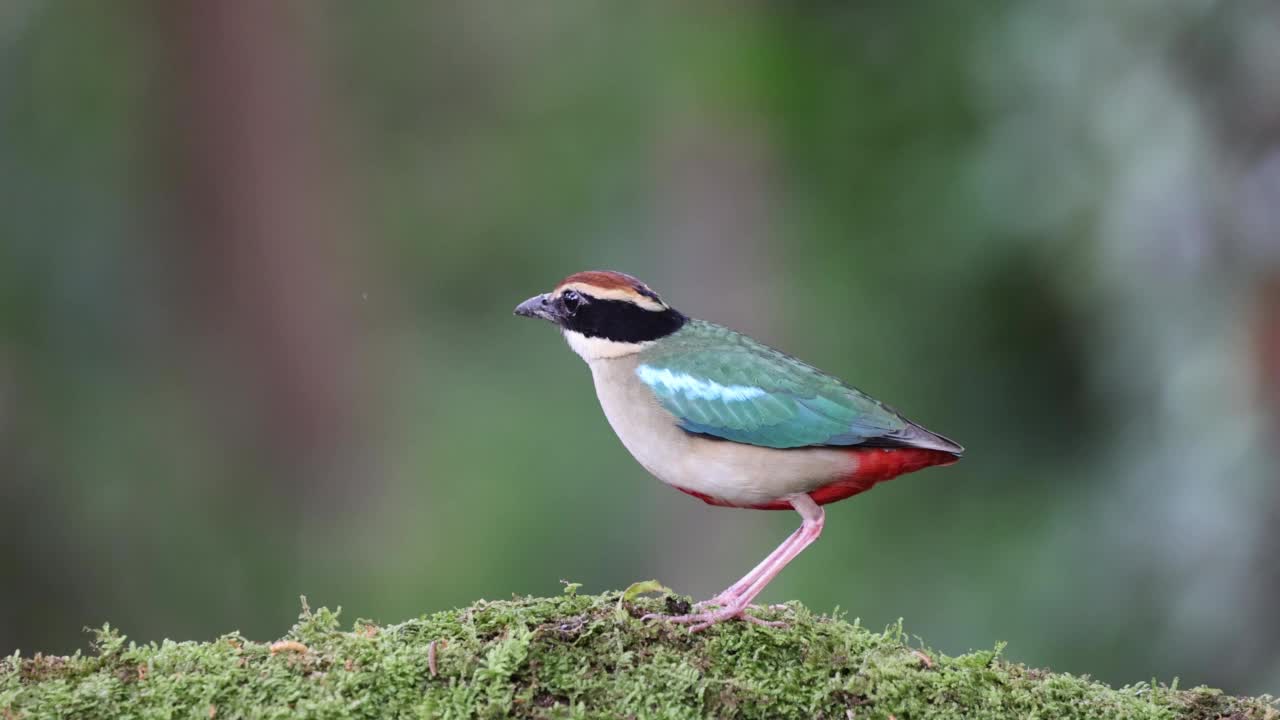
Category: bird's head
[604,313]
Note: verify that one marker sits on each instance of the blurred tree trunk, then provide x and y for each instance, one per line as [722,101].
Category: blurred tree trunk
[262,220]
[715,207]
[1244,107]
[1266,621]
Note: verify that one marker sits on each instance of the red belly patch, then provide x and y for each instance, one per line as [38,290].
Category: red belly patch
[875,465]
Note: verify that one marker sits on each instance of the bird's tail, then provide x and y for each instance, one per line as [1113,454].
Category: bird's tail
[918,437]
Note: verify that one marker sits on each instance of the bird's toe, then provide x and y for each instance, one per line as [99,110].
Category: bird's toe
[766,623]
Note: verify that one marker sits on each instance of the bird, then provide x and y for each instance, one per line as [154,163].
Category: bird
[729,420]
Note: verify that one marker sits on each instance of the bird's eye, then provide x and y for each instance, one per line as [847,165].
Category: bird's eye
[571,300]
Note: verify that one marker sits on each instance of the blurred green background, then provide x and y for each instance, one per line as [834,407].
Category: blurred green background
[258,260]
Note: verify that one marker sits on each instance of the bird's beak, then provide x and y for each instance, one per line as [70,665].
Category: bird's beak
[538,306]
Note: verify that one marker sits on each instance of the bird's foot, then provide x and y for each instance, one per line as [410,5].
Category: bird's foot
[699,621]
[727,597]
[724,599]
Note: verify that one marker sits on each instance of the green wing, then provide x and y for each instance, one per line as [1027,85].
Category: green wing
[720,383]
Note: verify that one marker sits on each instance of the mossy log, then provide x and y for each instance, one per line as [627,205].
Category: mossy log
[573,656]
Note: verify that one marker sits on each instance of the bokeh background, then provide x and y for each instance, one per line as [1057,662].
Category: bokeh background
[258,260]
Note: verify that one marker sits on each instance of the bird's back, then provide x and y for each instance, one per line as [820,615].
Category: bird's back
[724,384]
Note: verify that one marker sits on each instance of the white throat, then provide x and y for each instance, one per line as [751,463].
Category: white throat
[594,348]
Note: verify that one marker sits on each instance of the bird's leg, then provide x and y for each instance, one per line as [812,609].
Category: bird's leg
[733,591]
[813,518]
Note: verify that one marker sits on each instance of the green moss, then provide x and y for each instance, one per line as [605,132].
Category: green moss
[572,656]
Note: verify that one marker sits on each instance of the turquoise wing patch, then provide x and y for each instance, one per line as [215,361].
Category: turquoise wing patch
[756,395]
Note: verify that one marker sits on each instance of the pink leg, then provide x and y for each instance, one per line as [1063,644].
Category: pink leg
[733,591]
[813,518]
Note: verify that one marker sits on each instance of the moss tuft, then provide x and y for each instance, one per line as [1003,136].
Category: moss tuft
[573,656]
